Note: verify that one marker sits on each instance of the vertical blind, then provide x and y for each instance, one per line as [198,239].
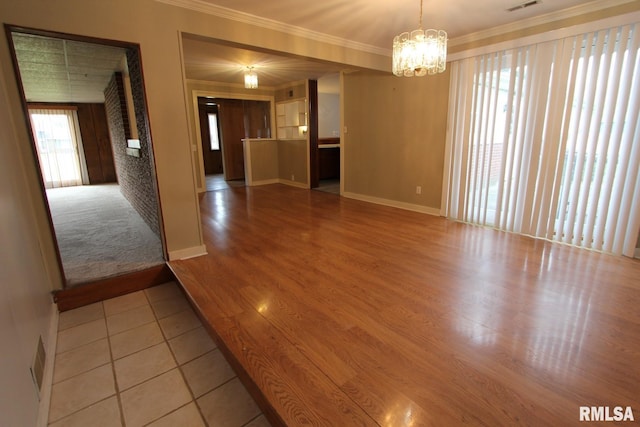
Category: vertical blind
[544,140]
[58,146]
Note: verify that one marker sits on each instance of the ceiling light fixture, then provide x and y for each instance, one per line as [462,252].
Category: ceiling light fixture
[250,79]
[420,53]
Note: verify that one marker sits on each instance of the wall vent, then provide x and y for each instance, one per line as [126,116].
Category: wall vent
[37,369]
[523,5]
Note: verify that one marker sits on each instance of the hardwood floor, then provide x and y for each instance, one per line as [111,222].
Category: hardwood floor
[341,313]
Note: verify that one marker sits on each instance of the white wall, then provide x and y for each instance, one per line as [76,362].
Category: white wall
[26,308]
[328,115]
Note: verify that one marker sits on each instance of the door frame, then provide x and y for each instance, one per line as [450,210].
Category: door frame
[203,109]
[9,29]
[199,160]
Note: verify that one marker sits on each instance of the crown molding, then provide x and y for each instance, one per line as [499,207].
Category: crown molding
[246,18]
[571,31]
[234,15]
[229,85]
[571,12]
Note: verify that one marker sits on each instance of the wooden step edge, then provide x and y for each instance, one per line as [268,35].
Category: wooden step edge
[100,290]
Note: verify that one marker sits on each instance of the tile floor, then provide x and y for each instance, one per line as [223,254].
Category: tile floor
[144,359]
[329,186]
[217,182]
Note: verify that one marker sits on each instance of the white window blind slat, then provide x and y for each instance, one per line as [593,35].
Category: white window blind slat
[566,210]
[538,146]
[469,95]
[545,179]
[590,125]
[505,164]
[490,142]
[478,156]
[596,215]
[626,185]
[511,176]
[560,131]
[625,241]
[598,159]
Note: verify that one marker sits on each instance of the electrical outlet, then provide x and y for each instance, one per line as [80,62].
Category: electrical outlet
[418,190]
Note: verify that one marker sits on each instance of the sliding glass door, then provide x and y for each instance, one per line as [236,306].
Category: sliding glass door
[58,145]
[545,140]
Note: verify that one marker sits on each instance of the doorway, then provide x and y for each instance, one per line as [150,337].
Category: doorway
[58,146]
[328,147]
[75,82]
[224,123]
[210,137]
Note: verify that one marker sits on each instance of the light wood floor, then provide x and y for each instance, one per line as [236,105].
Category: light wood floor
[343,313]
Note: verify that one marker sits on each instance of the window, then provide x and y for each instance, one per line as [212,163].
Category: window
[545,140]
[58,146]
[213,131]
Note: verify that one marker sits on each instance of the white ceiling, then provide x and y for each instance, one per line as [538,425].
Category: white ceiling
[376,22]
[56,70]
[53,68]
[367,24]
[208,60]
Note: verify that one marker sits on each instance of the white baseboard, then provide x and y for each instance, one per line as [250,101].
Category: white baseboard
[393,203]
[293,183]
[188,253]
[264,182]
[47,378]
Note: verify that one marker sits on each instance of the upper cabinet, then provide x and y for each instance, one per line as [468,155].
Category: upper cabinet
[291,119]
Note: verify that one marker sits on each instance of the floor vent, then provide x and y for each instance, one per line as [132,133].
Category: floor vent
[37,369]
[523,5]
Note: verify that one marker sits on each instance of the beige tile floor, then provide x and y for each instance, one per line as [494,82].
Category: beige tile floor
[144,359]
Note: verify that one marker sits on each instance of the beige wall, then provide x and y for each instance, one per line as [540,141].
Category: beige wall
[395,137]
[263,160]
[297,90]
[293,157]
[283,160]
[394,142]
[270,160]
[396,127]
[157,27]
[26,308]
[124,20]
[197,88]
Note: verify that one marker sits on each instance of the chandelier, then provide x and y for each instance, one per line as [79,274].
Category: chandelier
[250,79]
[420,52]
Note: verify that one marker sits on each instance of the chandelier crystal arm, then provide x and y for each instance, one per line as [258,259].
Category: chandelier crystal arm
[420,52]
[250,78]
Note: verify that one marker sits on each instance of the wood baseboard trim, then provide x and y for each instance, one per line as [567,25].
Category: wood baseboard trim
[68,299]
